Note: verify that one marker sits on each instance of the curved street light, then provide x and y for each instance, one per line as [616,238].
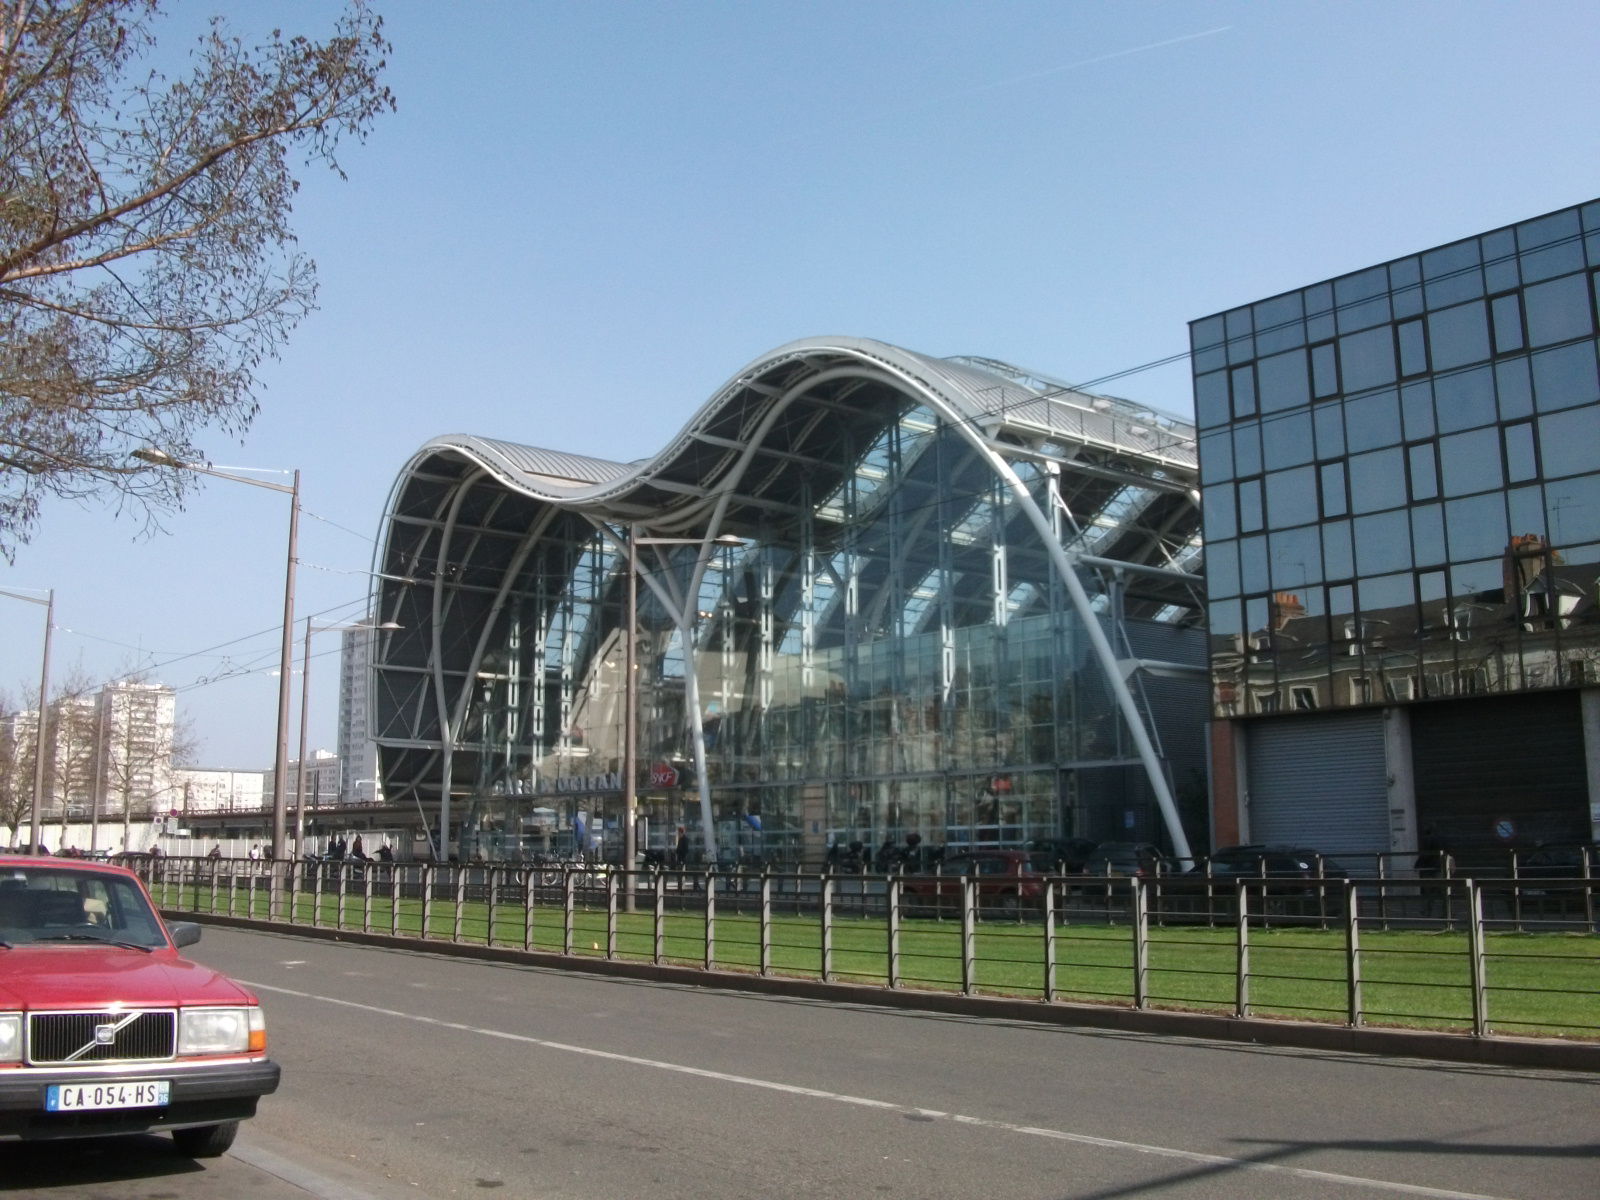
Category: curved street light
[161,458]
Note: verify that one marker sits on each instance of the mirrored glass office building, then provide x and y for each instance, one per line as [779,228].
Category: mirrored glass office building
[874,594]
[1401,480]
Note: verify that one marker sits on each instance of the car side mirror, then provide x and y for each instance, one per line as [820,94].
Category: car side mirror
[183,933]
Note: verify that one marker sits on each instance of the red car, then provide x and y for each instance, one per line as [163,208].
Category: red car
[105,1028]
[1004,879]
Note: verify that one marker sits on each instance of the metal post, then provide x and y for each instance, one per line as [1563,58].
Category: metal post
[1241,961]
[366,899]
[611,914]
[711,920]
[39,738]
[394,901]
[827,927]
[893,911]
[1480,981]
[1352,954]
[528,882]
[969,935]
[300,771]
[569,913]
[658,931]
[427,897]
[766,922]
[344,887]
[1141,944]
[1049,940]
[1588,889]
[630,721]
[285,666]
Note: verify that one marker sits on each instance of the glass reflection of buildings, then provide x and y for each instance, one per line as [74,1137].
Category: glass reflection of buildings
[890,649]
[1401,481]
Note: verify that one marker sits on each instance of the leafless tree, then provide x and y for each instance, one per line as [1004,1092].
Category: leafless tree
[147,263]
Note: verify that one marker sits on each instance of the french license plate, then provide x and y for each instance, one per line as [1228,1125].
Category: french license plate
[72,1097]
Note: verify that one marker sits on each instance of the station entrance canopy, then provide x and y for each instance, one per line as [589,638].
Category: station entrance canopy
[878,594]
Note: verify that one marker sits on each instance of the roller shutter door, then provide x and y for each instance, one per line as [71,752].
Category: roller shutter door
[1502,771]
[1319,782]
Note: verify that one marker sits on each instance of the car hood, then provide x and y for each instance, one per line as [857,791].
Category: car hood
[78,975]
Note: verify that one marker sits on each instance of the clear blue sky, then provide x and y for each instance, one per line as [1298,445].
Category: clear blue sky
[586,216]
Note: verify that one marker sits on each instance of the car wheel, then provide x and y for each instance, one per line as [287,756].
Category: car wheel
[205,1141]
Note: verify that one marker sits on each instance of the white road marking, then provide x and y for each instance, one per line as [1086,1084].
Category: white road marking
[1059,1135]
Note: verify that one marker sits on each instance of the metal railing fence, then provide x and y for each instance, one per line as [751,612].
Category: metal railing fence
[1483,956]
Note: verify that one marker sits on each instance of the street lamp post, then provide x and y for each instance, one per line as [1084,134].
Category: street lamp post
[161,458]
[44,696]
[305,708]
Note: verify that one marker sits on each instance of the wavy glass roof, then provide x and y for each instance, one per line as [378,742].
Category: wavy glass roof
[769,452]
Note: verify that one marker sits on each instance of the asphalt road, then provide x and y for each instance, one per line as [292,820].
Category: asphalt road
[415,1075]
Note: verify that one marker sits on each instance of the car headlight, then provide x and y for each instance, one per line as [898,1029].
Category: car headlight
[10,1037]
[221,1031]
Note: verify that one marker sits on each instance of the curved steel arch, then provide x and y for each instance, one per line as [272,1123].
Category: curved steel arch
[790,410]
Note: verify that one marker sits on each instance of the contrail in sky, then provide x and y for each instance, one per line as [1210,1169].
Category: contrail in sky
[1099,58]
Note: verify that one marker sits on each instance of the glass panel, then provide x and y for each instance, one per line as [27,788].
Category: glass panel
[1427,534]
[1500,261]
[1377,480]
[1319,312]
[1458,336]
[1573,506]
[1451,273]
[1505,313]
[1324,371]
[1416,406]
[1283,381]
[1405,284]
[1366,360]
[1216,457]
[1413,348]
[1292,497]
[1383,542]
[1246,449]
[1550,245]
[1372,421]
[1222,568]
[1241,346]
[1286,439]
[1565,377]
[1205,344]
[1520,463]
[1334,501]
[1515,386]
[1278,326]
[1362,299]
[1525,508]
[1470,462]
[1386,601]
[1570,441]
[1253,563]
[1329,421]
[1476,526]
[1251,511]
[1558,310]
[1244,391]
[1424,474]
[1211,399]
[1464,399]
[1296,557]
[1338,559]
[1221,515]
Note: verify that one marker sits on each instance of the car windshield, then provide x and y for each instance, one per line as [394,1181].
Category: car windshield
[45,904]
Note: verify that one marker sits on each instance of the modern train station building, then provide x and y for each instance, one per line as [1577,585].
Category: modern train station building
[863,594]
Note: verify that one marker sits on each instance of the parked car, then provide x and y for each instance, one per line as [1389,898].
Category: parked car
[1563,866]
[1004,879]
[1064,855]
[1128,859]
[105,1028]
[1278,864]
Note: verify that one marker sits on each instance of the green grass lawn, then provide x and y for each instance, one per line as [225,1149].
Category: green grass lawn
[1538,983]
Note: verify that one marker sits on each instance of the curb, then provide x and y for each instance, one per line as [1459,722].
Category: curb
[1497,1050]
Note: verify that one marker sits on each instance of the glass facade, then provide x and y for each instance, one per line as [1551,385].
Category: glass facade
[889,649]
[1401,477]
